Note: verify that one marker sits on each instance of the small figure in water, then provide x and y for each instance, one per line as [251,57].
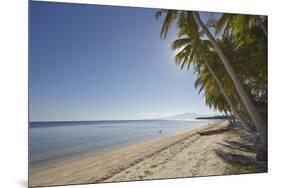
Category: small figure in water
[160,131]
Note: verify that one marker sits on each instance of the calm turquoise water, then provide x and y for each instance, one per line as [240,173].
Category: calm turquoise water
[56,140]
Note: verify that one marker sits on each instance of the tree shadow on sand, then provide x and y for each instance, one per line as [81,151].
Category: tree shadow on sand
[240,156]
[240,146]
[233,158]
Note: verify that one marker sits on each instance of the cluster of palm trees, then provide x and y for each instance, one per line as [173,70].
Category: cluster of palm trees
[229,56]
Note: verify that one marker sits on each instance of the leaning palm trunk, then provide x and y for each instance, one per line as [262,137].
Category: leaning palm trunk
[230,117]
[230,103]
[261,25]
[248,103]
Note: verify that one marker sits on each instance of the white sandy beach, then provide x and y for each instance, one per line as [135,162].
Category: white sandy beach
[182,155]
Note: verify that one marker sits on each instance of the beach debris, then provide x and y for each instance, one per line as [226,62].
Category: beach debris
[213,131]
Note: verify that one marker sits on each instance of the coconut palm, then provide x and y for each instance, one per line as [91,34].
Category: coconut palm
[214,97]
[254,113]
[194,51]
[245,98]
[239,25]
[170,17]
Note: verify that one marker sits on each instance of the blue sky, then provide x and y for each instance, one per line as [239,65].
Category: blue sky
[91,62]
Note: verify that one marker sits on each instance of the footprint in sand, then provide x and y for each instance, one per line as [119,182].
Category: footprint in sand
[147,172]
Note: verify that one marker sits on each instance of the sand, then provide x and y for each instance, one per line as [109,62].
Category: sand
[182,155]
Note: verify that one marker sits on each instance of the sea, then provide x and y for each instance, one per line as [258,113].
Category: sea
[50,141]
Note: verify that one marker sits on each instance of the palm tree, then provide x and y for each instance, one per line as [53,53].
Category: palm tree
[239,25]
[192,50]
[260,124]
[171,16]
[254,113]
[214,97]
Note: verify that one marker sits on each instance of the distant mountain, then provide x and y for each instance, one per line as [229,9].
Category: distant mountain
[188,115]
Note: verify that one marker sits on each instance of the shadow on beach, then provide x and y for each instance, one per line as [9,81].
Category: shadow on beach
[241,155]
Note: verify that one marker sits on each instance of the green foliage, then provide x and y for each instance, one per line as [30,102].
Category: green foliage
[171,15]
[245,44]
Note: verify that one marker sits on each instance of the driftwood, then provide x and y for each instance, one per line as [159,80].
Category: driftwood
[213,131]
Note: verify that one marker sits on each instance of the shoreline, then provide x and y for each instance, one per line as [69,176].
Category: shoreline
[35,167]
[170,156]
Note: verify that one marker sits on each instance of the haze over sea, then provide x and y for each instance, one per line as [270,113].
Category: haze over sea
[59,140]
